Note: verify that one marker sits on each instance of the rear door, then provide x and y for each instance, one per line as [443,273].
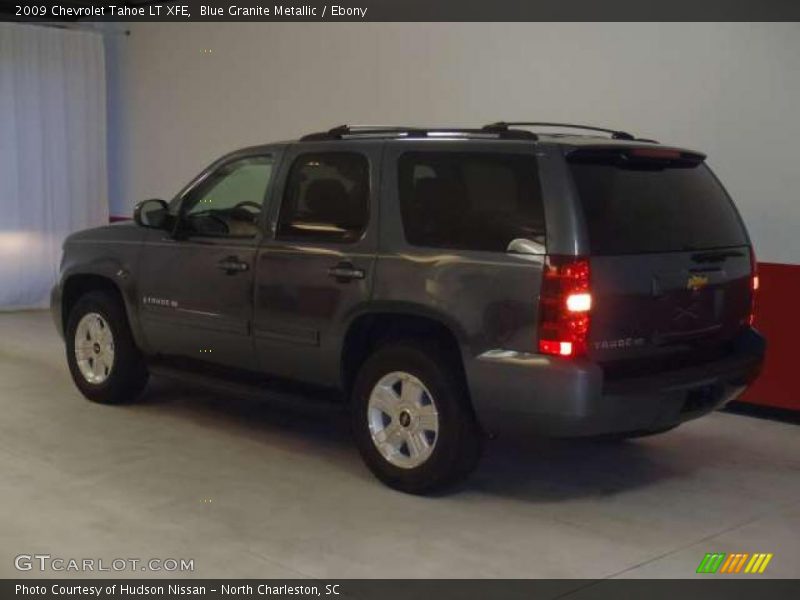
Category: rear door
[316,269]
[670,259]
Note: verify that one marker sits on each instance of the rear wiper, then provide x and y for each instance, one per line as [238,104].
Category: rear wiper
[717,256]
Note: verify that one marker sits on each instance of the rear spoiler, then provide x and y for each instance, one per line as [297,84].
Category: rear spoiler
[633,156]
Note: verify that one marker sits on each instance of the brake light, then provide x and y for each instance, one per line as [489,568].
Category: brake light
[564,306]
[656,153]
[753,287]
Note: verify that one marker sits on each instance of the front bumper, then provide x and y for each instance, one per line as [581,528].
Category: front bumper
[55,309]
[533,393]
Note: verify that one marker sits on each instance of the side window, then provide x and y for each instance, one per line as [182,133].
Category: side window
[229,202]
[326,198]
[470,200]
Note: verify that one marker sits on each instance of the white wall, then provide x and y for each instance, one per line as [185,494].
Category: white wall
[731,90]
[52,152]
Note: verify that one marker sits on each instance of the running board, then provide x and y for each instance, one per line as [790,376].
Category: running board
[279,393]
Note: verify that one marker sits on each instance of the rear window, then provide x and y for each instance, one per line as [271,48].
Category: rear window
[643,207]
[470,200]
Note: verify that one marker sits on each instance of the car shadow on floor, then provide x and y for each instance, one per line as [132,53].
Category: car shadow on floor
[536,469]
[548,470]
[318,426]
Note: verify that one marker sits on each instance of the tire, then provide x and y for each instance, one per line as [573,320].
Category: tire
[107,378]
[416,458]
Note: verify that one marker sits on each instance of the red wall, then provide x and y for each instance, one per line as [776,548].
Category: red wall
[778,319]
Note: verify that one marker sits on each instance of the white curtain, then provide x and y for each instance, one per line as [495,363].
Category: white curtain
[52,152]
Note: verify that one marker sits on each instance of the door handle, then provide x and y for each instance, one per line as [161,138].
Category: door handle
[345,271]
[232,265]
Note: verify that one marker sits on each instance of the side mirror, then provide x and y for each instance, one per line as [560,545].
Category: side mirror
[153,214]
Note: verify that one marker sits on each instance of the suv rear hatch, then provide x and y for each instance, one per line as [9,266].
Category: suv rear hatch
[671,263]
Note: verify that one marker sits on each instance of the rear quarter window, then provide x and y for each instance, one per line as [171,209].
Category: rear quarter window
[640,208]
[470,200]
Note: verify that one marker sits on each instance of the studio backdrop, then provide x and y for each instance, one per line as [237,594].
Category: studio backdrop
[52,152]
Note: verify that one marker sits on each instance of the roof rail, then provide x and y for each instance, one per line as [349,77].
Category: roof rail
[349,131]
[504,126]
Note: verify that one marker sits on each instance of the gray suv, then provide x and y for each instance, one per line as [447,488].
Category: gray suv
[448,283]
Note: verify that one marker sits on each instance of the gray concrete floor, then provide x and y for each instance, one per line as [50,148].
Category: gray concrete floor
[247,490]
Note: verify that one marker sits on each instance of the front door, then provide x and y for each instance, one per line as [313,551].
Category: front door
[196,286]
[316,271]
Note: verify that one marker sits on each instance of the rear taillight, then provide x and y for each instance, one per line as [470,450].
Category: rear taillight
[753,286]
[564,306]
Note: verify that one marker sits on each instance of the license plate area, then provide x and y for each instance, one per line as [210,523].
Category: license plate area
[686,314]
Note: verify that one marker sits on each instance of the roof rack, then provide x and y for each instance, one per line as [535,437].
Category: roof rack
[501,126]
[351,131]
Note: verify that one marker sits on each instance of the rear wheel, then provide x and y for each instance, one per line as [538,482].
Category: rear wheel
[411,419]
[103,359]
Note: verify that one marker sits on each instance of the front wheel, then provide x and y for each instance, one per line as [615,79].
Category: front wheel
[411,419]
[103,359]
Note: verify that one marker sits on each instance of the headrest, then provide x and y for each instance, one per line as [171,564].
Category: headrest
[325,198]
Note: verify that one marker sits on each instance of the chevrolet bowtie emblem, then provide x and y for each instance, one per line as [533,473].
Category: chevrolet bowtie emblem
[696,282]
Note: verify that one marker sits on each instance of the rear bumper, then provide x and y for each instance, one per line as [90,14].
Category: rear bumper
[533,393]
